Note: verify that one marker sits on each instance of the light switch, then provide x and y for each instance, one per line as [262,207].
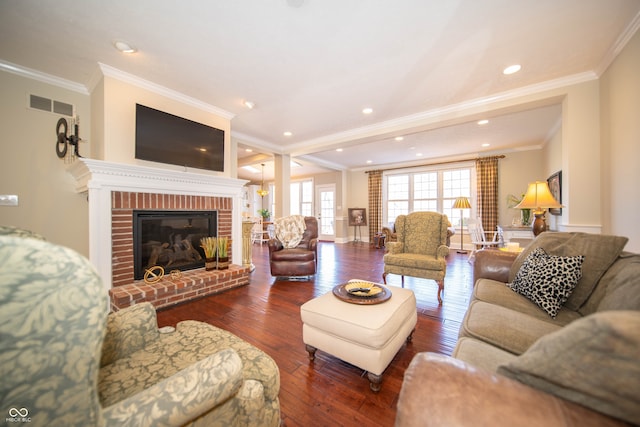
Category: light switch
[8,200]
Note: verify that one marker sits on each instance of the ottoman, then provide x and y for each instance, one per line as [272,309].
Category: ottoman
[367,336]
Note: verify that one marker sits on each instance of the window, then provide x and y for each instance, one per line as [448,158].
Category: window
[301,198]
[431,189]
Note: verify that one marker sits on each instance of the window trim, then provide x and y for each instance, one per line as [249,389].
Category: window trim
[426,169]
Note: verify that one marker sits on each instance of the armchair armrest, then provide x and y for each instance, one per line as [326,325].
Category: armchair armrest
[492,264]
[274,245]
[443,251]
[182,397]
[443,391]
[394,247]
[128,331]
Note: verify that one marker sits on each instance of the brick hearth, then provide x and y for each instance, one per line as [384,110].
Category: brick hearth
[169,291]
[192,284]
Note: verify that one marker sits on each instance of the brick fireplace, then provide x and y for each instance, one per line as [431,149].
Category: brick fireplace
[116,190]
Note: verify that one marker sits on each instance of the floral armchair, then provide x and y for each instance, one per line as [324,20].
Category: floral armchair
[421,248]
[65,361]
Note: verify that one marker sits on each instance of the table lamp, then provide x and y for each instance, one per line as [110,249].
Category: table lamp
[461,203]
[538,197]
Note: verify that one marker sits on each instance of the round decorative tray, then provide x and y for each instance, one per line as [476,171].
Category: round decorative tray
[362,292]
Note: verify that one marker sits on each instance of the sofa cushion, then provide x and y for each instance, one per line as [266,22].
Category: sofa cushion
[594,361]
[622,284]
[480,354]
[548,280]
[502,327]
[600,251]
[500,294]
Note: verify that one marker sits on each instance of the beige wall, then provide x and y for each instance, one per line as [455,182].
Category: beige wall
[30,168]
[117,101]
[620,118]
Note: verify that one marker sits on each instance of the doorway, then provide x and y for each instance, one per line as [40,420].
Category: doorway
[326,213]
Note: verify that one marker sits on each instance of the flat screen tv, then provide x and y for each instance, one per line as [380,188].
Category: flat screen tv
[164,138]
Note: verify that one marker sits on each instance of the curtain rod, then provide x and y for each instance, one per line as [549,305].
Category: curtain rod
[502,156]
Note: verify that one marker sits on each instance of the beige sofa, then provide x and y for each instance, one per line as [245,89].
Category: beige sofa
[515,364]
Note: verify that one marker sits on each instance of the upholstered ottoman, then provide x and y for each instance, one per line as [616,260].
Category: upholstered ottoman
[367,336]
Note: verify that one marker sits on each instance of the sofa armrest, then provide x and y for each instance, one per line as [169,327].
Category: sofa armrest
[182,397]
[128,331]
[493,264]
[443,391]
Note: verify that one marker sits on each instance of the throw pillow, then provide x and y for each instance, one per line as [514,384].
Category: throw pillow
[548,280]
[593,361]
[599,251]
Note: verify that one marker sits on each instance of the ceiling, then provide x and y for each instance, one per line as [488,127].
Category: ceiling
[311,66]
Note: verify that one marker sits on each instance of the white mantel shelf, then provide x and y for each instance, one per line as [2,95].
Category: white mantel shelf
[99,179]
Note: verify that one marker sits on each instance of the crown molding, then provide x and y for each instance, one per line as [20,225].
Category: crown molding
[43,77]
[619,44]
[133,80]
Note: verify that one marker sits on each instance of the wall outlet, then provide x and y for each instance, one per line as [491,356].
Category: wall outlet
[8,200]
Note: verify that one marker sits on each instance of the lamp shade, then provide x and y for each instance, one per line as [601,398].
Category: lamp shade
[538,197]
[461,203]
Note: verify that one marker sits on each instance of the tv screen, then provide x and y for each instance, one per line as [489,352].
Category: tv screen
[165,138]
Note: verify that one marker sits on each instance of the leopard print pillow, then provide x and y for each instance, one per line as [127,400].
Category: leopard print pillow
[548,280]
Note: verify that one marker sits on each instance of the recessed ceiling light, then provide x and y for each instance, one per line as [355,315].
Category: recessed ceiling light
[124,47]
[204,150]
[367,110]
[287,133]
[399,138]
[483,122]
[339,149]
[369,161]
[512,69]
[248,150]
[418,154]
[249,104]
[486,144]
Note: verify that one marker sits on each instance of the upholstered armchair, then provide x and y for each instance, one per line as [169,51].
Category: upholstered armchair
[288,258]
[421,248]
[65,361]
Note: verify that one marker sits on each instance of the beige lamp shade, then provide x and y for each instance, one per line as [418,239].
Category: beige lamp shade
[538,197]
[461,203]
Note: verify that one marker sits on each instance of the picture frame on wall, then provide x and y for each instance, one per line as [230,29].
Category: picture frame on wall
[357,216]
[555,186]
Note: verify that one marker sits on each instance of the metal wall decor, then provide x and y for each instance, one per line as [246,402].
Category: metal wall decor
[64,140]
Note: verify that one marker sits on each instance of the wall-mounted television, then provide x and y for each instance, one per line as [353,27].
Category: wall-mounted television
[164,138]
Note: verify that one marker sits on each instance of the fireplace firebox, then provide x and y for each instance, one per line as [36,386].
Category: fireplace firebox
[170,239]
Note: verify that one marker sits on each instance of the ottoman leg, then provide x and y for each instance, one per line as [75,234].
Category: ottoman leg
[312,351]
[410,337]
[374,382]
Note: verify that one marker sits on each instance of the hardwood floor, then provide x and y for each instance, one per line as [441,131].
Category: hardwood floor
[329,392]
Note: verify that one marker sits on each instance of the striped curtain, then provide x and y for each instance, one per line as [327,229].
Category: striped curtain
[375,203]
[487,203]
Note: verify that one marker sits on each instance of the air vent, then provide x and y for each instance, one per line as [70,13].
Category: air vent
[52,106]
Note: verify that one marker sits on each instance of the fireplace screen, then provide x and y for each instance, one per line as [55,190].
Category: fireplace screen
[170,239]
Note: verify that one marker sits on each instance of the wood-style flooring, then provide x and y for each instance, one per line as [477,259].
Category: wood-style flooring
[328,391]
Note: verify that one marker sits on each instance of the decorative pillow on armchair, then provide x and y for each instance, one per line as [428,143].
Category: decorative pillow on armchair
[548,280]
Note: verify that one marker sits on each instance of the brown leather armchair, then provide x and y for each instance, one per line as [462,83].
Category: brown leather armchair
[299,261]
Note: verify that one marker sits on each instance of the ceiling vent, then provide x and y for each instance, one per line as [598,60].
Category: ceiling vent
[50,105]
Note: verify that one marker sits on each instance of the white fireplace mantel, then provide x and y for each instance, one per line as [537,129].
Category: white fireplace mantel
[99,179]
